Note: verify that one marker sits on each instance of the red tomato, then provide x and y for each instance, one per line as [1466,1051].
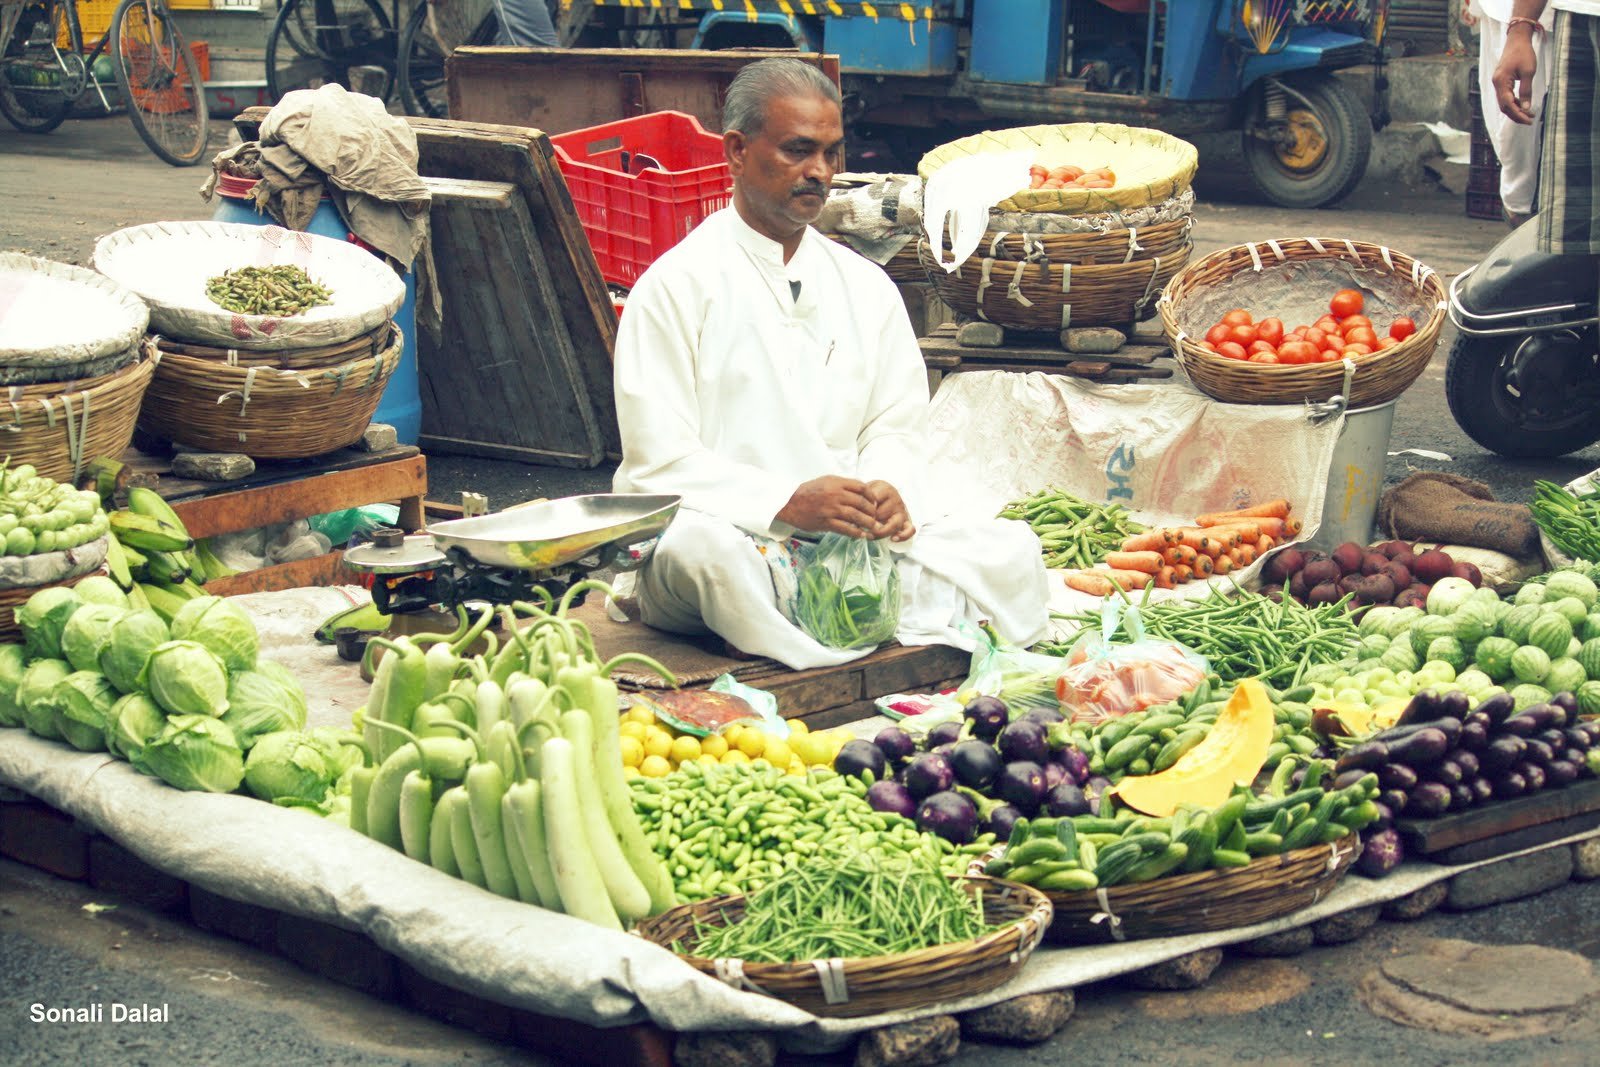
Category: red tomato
[1327,324]
[1346,302]
[1315,336]
[1243,335]
[1270,330]
[1261,346]
[1354,320]
[1232,350]
[1218,333]
[1332,342]
[1402,328]
[1357,349]
[1297,352]
[1238,317]
[1386,342]
[1362,335]
[1264,357]
[1208,346]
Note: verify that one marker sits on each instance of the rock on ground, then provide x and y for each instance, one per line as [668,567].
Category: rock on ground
[1418,904]
[921,1043]
[1185,972]
[1092,340]
[1346,926]
[1284,943]
[1023,1020]
[725,1049]
[1586,860]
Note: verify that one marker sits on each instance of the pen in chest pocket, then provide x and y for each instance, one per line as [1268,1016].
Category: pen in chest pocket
[829,357]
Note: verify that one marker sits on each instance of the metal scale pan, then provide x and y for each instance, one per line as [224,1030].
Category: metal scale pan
[551,533]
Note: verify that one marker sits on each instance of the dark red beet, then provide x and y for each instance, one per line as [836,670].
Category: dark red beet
[1349,556]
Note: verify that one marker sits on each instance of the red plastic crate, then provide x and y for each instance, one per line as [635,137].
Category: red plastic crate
[640,185]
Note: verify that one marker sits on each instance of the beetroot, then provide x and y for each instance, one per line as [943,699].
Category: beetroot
[1403,559]
[1410,598]
[1350,582]
[1320,570]
[1398,573]
[1326,593]
[1432,565]
[1392,549]
[1381,854]
[1373,562]
[1376,589]
[1273,593]
[1349,556]
[1463,569]
[1298,587]
[1283,566]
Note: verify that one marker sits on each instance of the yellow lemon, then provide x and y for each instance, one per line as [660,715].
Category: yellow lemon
[733,755]
[797,726]
[641,715]
[684,749]
[751,742]
[655,767]
[631,772]
[632,751]
[777,752]
[632,729]
[731,734]
[657,742]
[796,766]
[715,746]
[706,760]
[811,748]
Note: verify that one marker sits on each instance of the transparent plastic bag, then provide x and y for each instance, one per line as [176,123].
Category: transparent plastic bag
[1021,679]
[847,592]
[1105,680]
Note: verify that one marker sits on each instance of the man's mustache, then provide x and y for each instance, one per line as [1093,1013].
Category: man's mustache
[812,188]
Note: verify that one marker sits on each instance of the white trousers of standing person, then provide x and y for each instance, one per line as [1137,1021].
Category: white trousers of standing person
[706,575]
[1515,145]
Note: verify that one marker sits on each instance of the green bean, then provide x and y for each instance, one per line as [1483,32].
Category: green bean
[1072,532]
[1571,521]
[280,290]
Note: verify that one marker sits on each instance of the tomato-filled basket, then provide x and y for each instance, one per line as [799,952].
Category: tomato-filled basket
[1292,280]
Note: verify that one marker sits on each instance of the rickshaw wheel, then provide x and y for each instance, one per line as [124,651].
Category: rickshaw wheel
[1324,153]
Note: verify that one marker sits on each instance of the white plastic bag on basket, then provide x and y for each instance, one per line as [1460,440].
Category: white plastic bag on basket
[1105,679]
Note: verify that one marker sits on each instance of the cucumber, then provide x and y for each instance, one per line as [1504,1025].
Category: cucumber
[1154,724]
[1164,862]
[1123,752]
[1115,862]
[1226,815]
[1225,857]
[1173,750]
[1069,881]
[1303,834]
[1036,850]
[1200,838]
[1263,843]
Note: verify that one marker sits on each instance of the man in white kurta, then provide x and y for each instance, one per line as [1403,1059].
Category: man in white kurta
[758,374]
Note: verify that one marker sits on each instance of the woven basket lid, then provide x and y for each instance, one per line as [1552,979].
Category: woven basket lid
[54,314]
[169,263]
[1150,166]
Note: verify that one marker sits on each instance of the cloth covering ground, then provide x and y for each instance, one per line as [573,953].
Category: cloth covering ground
[501,950]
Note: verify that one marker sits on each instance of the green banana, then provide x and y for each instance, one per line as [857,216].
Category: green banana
[117,564]
[166,567]
[164,602]
[136,597]
[149,534]
[145,501]
[364,617]
[208,561]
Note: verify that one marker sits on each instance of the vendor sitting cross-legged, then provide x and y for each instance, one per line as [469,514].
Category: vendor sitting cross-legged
[772,379]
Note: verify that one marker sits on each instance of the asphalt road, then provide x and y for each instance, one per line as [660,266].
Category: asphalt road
[235,1004]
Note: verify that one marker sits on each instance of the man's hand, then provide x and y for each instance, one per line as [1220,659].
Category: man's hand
[831,504]
[1513,77]
[893,520]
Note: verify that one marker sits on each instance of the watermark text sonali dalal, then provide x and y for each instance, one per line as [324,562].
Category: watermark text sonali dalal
[109,1012]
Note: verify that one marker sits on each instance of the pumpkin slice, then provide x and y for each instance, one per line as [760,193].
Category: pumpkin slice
[1232,754]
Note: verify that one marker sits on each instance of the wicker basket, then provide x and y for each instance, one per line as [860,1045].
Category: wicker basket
[263,412]
[368,344]
[61,426]
[1150,165]
[902,267]
[1228,278]
[1049,296]
[13,597]
[1222,899]
[869,985]
[1120,245]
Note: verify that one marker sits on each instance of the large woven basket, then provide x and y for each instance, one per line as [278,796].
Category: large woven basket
[1222,899]
[902,266]
[1150,165]
[79,563]
[61,426]
[869,985]
[1043,295]
[370,343]
[263,412]
[1304,271]
[63,323]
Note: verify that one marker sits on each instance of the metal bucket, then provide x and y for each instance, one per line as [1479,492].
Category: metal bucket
[1355,477]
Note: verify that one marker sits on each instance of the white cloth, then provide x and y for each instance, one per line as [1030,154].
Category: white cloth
[1577,7]
[1515,145]
[731,392]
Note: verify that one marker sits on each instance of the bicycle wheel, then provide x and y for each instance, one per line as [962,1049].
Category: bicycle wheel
[314,42]
[160,81]
[422,56]
[35,80]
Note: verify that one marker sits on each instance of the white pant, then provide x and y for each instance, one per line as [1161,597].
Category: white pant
[707,576]
[1516,146]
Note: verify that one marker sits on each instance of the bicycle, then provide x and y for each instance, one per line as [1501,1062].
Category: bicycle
[422,58]
[314,42]
[44,71]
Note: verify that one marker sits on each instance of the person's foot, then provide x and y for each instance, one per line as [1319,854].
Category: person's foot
[1515,219]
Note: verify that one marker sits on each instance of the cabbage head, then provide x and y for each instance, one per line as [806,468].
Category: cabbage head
[13,661]
[195,752]
[36,696]
[86,633]
[344,748]
[135,721]
[129,643]
[43,618]
[289,765]
[258,705]
[98,589]
[222,626]
[83,702]
[286,678]
[186,678]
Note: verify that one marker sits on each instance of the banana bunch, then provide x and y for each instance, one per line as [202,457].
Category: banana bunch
[153,558]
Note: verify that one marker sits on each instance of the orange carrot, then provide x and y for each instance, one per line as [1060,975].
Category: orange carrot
[1291,528]
[1244,555]
[1150,541]
[1149,562]
[1203,566]
[1182,572]
[1272,509]
[1165,579]
[1264,544]
[1088,582]
[1253,529]
[1247,529]
[1179,554]
[1222,564]
[1195,539]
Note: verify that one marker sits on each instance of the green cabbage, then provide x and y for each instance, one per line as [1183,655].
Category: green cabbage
[257,705]
[83,701]
[222,626]
[86,632]
[343,747]
[36,695]
[134,720]
[98,589]
[195,752]
[286,678]
[13,661]
[128,645]
[186,678]
[43,618]
[291,765]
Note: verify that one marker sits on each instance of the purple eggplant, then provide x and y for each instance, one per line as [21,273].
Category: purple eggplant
[950,815]
[1538,753]
[896,745]
[1346,779]
[1367,756]
[1462,797]
[1533,774]
[1002,817]
[1021,784]
[1568,703]
[891,796]
[1428,799]
[1555,737]
[1055,774]
[1393,799]
[1076,762]
[860,758]
[1496,709]
[1502,754]
[1046,716]
[1510,784]
[1424,707]
[1023,741]
[1385,817]
[976,763]
[988,716]
[1381,853]
[1474,736]
[1483,789]
[1396,776]
[1421,749]
[1467,761]
[1480,718]
[1575,756]
[1065,800]
[1576,737]
[929,773]
[1445,772]
[1524,723]
[1454,705]
[1561,772]
[1095,788]
[943,733]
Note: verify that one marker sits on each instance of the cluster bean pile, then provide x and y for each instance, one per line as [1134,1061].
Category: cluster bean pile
[282,290]
[1073,532]
[1571,521]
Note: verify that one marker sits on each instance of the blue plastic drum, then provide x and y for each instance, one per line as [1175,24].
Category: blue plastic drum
[401,404]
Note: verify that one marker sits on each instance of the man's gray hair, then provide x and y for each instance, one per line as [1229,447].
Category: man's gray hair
[745,107]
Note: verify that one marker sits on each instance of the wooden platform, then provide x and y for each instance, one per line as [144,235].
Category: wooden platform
[1135,361]
[1505,825]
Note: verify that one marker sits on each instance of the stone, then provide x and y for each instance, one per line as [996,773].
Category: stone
[1415,905]
[451,1004]
[1510,879]
[116,870]
[340,955]
[1346,926]
[378,437]
[40,836]
[1284,943]
[218,914]
[1092,340]
[980,335]
[747,1048]
[1586,860]
[1025,1020]
[213,466]
[920,1043]
[1185,972]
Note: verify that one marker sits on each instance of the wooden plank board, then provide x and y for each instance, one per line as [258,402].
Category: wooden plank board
[1501,817]
[157,469]
[284,501]
[1130,355]
[326,569]
[1090,370]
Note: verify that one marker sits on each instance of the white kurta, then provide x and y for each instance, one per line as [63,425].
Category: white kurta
[1515,146]
[731,392]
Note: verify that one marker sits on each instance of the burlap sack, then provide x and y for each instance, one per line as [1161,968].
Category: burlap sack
[1432,506]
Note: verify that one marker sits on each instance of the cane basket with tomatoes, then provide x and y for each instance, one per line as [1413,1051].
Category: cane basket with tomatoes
[1304,319]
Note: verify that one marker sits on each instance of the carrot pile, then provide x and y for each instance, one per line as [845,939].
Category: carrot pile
[1217,543]
[1068,176]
